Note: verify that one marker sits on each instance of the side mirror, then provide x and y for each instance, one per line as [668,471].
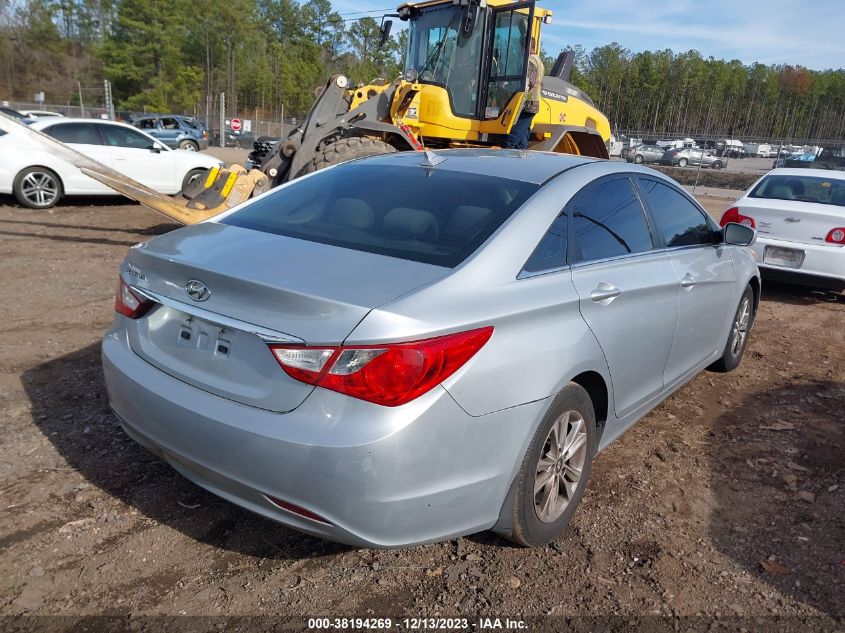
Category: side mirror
[385,32]
[738,234]
[155,149]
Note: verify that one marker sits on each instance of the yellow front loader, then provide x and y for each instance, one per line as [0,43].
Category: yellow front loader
[463,85]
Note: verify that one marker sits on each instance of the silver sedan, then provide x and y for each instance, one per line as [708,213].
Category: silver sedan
[418,346]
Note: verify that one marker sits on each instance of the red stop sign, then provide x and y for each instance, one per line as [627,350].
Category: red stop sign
[236,125]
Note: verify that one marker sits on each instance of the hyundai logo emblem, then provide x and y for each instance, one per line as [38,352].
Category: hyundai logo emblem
[197,290]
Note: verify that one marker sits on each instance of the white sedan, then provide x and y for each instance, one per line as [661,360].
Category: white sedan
[38,178]
[799,215]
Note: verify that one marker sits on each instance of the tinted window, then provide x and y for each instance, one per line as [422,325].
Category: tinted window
[82,133]
[608,221]
[802,188]
[119,136]
[678,220]
[434,216]
[551,251]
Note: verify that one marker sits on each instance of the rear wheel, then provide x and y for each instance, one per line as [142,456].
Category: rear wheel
[345,149]
[555,469]
[738,338]
[189,146]
[683,162]
[37,188]
[638,159]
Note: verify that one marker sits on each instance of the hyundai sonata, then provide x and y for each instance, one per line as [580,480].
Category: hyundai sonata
[417,346]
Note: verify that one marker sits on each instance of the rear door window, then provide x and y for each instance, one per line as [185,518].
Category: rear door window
[678,220]
[146,124]
[119,136]
[435,216]
[79,133]
[608,221]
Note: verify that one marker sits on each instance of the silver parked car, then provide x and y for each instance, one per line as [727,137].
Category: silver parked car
[645,154]
[413,347]
[683,156]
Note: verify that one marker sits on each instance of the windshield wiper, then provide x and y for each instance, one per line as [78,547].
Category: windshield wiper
[438,48]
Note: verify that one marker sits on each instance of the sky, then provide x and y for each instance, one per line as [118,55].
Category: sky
[806,32]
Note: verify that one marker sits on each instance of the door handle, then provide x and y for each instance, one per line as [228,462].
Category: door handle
[688,281]
[605,292]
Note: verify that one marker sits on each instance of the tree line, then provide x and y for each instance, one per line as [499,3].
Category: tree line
[272,55]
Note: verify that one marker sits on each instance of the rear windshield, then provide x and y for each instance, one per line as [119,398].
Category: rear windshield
[802,188]
[422,214]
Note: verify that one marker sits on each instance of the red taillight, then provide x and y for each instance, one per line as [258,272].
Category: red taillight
[733,215]
[836,236]
[389,375]
[128,303]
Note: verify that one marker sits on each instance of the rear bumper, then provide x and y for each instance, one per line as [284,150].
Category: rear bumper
[823,266]
[381,477]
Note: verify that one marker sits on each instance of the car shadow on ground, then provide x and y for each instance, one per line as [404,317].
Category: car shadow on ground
[72,201]
[777,473]
[798,295]
[156,229]
[70,406]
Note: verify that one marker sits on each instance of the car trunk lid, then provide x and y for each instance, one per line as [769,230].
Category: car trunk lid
[793,220]
[260,287]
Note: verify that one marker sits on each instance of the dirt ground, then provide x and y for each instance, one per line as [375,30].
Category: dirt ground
[727,501]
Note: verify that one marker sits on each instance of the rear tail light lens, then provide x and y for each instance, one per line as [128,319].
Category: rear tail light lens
[733,215]
[129,303]
[836,236]
[389,375]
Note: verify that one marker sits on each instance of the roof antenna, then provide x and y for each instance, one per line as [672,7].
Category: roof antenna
[431,159]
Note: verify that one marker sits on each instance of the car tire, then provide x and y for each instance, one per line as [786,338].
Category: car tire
[539,518]
[189,146]
[192,176]
[716,165]
[683,162]
[345,149]
[638,159]
[37,188]
[738,337]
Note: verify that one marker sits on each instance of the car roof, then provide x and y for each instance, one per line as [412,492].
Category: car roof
[800,171]
[527,166]
[64,119]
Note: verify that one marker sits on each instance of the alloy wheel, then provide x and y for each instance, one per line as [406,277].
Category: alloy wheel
[560,465]
[40,188]
[739,332]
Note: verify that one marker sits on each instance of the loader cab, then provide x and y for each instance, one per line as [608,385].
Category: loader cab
[477,54]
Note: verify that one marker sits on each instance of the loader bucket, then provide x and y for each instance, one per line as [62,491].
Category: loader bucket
[221,189]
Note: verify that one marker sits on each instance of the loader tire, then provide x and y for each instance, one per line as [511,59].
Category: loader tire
[343,150]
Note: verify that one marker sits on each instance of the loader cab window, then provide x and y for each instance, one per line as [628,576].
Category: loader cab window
[509,58]
[442,57]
